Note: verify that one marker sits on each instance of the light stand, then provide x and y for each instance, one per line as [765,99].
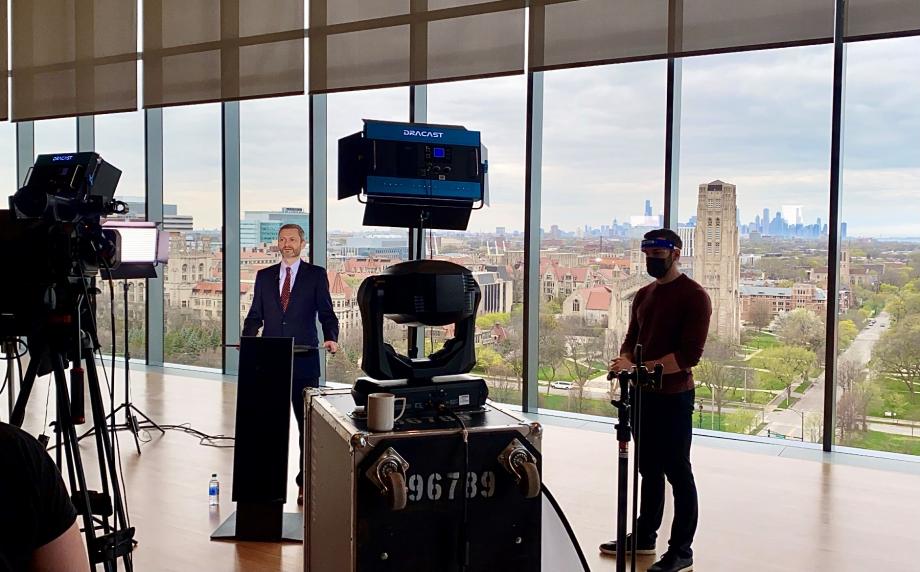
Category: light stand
[629,417]
[131,410]
[125,272]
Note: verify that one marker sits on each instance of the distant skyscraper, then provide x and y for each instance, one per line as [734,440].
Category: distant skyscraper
[717,250]
[648,207]
[793,214]
[500,230]
[765,228]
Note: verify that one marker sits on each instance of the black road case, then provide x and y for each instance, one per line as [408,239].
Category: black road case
[394,501]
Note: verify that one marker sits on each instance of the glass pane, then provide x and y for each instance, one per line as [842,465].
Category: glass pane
[120,141]
[755,133]
[8,160]
[493,246]
[604,128]
[878,394]
[356,251]
[192,215]
[56,136]
[274,172]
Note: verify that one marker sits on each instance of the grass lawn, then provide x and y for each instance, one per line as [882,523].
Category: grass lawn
[728,422]
[785,404]
[878,441]
[888,387]
[766,380]
[762,341]
[568,403]
[803,387]
[734,396]
[562,374]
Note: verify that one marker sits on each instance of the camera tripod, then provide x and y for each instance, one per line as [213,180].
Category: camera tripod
[629,417]
[100,511]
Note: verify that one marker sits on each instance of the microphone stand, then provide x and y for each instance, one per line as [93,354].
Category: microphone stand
[628,423]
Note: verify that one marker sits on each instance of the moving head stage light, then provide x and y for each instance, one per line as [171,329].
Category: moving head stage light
[413,174]
[421,293]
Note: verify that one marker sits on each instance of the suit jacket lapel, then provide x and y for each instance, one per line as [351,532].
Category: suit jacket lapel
[275,286]
[298,282]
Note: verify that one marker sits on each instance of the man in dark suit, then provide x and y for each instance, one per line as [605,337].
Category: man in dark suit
[288,298]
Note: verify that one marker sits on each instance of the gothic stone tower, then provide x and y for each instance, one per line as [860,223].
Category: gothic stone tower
[716,261]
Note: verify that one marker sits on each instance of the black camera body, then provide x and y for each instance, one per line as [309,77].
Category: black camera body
[52,238]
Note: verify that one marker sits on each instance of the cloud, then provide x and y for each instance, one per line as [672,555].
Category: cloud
[760,120]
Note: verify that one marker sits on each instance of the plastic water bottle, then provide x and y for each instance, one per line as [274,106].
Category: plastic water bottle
[213,490]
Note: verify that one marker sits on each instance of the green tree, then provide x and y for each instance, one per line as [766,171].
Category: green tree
[790,364]
[551,307]
[897,352]
[760,314]
[719,378]
[896,403]
[552,348]
[851,410]
[802,328]
[486,321]
[846,333]
[584,348]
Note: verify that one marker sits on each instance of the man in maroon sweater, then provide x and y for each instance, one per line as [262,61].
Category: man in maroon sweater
[670,319]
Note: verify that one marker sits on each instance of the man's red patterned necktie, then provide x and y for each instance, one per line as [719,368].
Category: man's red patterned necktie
[286,291]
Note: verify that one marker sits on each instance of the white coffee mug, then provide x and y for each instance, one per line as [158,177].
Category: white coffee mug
[381,407]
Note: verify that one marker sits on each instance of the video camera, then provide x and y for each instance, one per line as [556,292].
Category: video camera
[52,235]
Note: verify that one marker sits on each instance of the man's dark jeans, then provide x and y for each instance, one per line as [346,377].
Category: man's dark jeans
[665,433]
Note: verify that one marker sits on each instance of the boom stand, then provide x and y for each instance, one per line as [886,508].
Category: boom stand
[628,423]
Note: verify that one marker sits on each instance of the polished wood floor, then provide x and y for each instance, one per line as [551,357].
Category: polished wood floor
[759,511]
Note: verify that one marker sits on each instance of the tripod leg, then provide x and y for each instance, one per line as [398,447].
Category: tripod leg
[105,438]
[18,414]
[74,461]
[147,419]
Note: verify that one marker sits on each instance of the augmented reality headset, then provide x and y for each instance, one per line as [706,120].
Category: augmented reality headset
[658,243]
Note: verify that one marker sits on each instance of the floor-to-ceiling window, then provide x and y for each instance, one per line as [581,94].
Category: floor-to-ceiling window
[8,160]
[355,251]
[493,245]
[274,182]
[55,136]
[755,140]
[192,217]
[878,379]
[120,140]
[602,188]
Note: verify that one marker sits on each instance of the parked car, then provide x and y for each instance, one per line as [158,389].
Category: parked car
[564,385]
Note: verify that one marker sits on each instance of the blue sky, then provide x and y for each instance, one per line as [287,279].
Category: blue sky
[760,120]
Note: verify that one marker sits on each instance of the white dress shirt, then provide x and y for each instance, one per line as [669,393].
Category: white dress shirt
[294,267]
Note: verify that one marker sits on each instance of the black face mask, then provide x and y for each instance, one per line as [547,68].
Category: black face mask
[658,267]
